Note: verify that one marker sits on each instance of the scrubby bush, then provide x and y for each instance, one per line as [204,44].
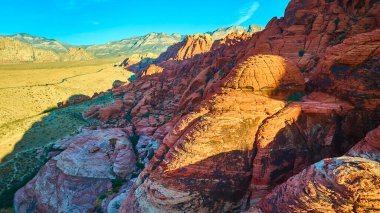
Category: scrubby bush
[132,78]
[295,97]
[50,109]
[208,77]
[150,155]
[140,165]
[145,115]
[301,53]
[342,37]
[221,73]
[336,21]
[117,183]
[102,196]
[202,91]
[134,140]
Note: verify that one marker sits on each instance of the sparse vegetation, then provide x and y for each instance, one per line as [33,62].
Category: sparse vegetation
[134,140]
[337,21]
[342,37]
[116,205]
[27,120]
[295,97]
[150,155]
[50,109]
[132,78]
[301,53]
[208,77]
[24,98]
[140,165]
[102,196]
[221,73]
[145,115]
[117,183]
[128,117]
[134,175]
[202,91]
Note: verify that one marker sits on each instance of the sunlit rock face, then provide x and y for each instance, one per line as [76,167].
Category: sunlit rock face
[320,126]
[188,48]
[187,174]
[16,49]
[239,119]
[222,129]
[351,70]
[342,184]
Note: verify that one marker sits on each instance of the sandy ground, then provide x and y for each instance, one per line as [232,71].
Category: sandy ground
[27,90]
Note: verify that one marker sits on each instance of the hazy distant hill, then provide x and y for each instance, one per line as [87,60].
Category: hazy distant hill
[43,43]
[154,43]
[20,48]
[14,51]
[223,32]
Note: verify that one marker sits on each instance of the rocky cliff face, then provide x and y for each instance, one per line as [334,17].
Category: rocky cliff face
[154,43]
[188,48]
[76,54]
[255,122]
[42,43]
[15,51]
[342,184]
[223,32]
[21,48]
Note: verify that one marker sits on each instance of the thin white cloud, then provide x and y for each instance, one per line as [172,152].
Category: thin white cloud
[247,13]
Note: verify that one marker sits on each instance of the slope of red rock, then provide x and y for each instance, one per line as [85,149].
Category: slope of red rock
[238,117]
[188,48]
[343,184]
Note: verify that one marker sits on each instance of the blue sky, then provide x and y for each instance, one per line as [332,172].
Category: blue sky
[100,21]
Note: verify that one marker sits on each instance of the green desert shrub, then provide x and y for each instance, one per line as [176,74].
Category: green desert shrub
[140,165]
[134,140]
[301,53]
[202,91]
[117,183]
[295,97]
[50,109]
[336,21]
[221,73]
[145,115]
[132,78]
[208,77]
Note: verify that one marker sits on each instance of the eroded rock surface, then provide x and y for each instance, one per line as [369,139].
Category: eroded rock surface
[188,48]
[236,118]
[344,184]
[72,180]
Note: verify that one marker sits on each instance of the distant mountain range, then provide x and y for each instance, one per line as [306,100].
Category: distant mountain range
[22,47]
[154,43]
[42,43]
[223,32]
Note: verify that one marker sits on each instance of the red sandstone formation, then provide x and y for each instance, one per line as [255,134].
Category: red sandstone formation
[233,126]
[342,184]
[106,113]
[151,70]
[87,166]
[75,99]
[72,180]
[188,48]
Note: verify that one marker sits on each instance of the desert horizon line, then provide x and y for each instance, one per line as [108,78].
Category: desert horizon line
[127,37]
